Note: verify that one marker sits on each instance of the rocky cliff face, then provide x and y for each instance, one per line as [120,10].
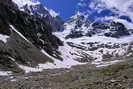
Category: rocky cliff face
[38,10]
[22,37]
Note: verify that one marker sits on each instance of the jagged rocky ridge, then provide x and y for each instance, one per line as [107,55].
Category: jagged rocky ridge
[43,13]
[23,36]
[79,26]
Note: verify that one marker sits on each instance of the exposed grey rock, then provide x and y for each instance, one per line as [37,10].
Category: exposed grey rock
[25,44]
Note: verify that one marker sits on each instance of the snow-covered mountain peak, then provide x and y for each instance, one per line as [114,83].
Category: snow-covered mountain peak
[53,13]
[79,15]
[78,19]
[36,8]
[34,4]
[21,3]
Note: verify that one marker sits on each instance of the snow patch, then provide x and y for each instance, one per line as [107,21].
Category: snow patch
[5,73]
[104,64]
[12,79]
[4,38]
[66,63]
[30,69]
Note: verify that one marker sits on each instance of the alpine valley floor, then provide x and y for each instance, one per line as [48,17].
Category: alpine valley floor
[88,76]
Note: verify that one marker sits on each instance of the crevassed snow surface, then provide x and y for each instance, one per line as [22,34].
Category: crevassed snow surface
[68,51]
[4,38]
[95,38]
[103,39]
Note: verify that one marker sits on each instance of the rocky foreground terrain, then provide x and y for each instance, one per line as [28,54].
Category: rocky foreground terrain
[117,76]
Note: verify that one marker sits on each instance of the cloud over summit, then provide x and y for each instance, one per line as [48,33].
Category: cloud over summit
[120,7]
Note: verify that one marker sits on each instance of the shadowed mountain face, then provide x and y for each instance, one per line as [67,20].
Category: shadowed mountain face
[22,38]
[5,1]
[38,10]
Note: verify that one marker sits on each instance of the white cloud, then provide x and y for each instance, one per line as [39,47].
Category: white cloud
[120,7]
[124,6]
[119,4]
[126,23]
[81,4]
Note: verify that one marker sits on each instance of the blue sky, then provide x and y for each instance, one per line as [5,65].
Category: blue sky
[94,8]
[66,8]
